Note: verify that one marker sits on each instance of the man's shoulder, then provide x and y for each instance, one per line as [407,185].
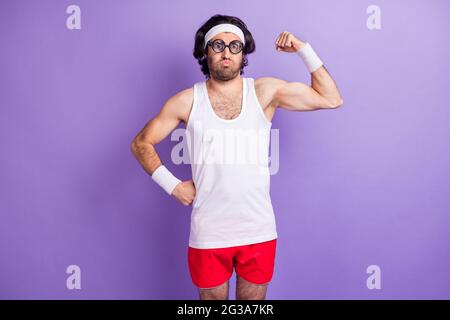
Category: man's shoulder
[266,89]
[186,95]
[181,103]
[183,98]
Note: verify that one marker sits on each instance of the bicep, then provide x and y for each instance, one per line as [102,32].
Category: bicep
[297,96]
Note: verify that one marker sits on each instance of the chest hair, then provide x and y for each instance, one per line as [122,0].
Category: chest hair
[225,106]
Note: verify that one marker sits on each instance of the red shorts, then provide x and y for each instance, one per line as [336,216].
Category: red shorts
[212,267]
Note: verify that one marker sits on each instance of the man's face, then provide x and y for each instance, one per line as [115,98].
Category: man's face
[224,65]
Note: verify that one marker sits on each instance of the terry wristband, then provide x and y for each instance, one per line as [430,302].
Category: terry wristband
[310,58]
[165,179]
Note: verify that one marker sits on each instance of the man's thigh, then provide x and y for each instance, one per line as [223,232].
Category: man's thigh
[217,293]
[246,290]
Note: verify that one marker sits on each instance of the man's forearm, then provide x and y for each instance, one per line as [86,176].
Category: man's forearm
[147,156]
[321,80]
[323,83]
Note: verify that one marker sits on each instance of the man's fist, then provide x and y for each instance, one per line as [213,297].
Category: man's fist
[287,42]
[185,192]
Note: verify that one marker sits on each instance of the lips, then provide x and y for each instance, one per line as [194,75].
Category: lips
[226,62]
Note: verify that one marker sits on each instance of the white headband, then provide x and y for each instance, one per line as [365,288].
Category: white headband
[224,27]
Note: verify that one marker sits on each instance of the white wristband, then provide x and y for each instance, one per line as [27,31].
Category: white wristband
[165,179]
[310,58]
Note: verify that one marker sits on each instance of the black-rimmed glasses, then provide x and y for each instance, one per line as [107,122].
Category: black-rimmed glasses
[218,46]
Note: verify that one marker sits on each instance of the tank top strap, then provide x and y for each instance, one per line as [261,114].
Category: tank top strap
[198,103]
[254,104]
[201,97]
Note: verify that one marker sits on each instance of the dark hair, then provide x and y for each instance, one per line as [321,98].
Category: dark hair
[200,53]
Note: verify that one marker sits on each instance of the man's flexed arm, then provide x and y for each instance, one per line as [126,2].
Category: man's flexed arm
[297,96]
[156,130]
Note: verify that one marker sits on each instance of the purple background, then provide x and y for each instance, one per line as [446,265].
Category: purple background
[364,184]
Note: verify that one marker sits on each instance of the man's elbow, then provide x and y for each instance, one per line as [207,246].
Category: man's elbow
[136,146]
[336,103]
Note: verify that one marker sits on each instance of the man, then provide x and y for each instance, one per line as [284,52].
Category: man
[232,221]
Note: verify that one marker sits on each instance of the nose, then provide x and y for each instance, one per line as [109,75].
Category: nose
[226,52]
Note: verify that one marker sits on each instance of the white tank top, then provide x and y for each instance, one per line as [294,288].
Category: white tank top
[230,170]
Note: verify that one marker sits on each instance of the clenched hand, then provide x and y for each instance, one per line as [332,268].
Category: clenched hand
[185,192]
